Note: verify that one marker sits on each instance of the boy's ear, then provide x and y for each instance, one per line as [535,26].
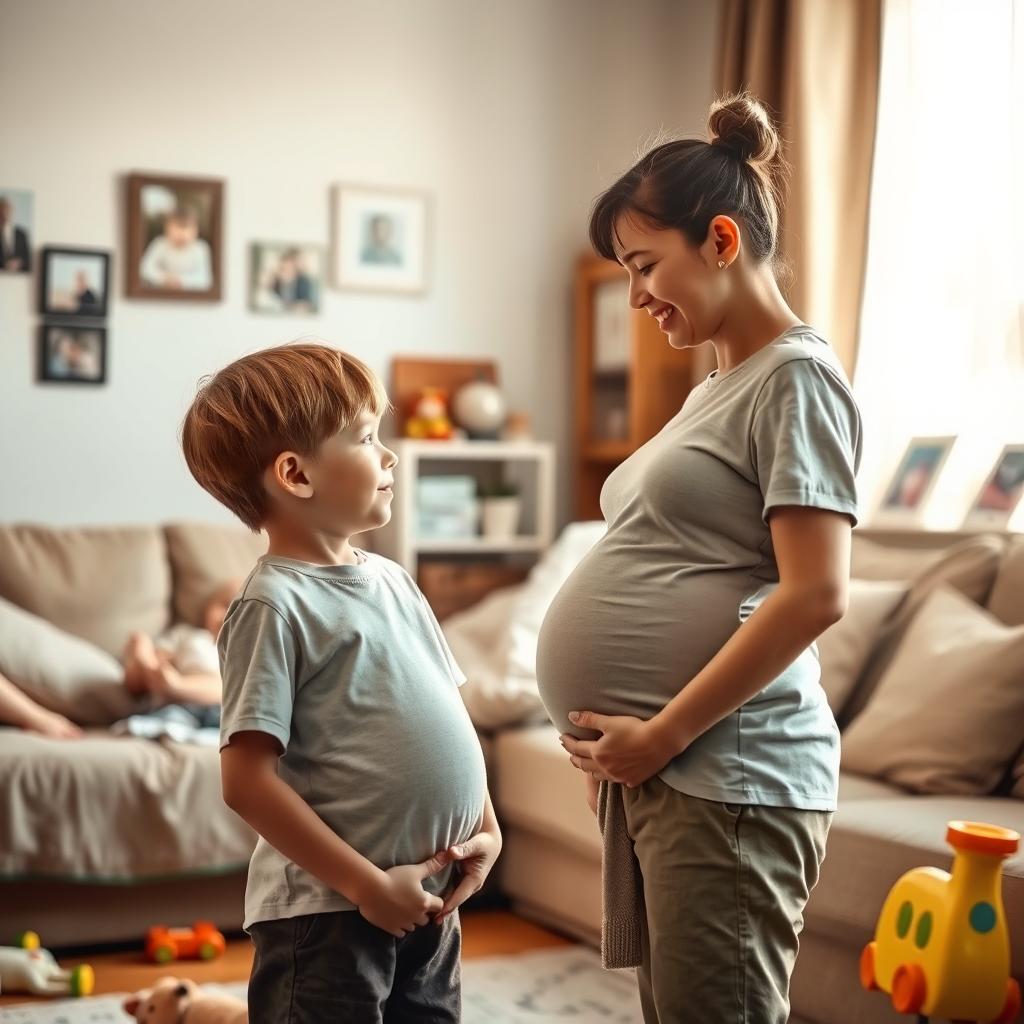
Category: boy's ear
[288,473]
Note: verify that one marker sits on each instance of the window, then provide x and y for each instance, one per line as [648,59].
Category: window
[942,330]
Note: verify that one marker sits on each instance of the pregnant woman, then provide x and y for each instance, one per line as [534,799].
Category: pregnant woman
[678,658]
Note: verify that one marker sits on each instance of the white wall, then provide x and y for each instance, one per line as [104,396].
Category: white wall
[511,114]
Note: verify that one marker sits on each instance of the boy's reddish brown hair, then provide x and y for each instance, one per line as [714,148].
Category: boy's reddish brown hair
[289,398]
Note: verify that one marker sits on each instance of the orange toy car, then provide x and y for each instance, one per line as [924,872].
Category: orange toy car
[202,941]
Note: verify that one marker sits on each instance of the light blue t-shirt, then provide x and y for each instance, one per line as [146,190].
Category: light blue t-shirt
[688,557]
[347,668]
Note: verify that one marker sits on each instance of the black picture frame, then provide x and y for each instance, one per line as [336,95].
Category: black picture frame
[96,310]
[47,367]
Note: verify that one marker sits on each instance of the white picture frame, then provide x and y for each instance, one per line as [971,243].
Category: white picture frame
[379,239]
[910,487]
[999,497]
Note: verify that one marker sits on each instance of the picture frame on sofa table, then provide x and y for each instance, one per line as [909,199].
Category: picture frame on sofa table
[1000,495]
[907,493]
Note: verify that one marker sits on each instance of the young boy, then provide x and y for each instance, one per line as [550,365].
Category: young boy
[344,742]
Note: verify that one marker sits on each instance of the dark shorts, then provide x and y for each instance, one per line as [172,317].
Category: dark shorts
[337,968]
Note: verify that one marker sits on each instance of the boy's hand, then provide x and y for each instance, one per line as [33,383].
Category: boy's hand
[474,858]
[400,903]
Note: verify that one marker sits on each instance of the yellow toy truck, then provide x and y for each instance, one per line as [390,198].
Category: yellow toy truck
[942,946]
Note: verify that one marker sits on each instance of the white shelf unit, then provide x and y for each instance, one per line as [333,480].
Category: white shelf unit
[531,464]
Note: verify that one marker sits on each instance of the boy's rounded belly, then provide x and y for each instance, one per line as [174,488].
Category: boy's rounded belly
[622,642]
[400,787]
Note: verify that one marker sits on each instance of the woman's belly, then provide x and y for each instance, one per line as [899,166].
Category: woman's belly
[624,636]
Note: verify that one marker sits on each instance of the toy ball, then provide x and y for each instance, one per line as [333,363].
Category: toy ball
[942,946]
[480,408]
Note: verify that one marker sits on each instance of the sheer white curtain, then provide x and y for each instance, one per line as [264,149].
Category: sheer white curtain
[942,332]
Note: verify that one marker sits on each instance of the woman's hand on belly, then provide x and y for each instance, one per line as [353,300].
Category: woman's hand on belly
[629,750]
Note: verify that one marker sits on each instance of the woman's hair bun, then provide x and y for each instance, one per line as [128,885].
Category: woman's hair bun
[740,124]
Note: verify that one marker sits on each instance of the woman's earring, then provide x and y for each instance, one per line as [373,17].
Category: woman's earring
[721,264]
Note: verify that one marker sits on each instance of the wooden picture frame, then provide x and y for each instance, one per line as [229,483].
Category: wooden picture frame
[73,353]
[175,233]
[74,283]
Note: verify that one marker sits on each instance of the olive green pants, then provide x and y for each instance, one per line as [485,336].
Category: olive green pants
[725,887]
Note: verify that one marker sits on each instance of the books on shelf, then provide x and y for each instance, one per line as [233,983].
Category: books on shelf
[446,507]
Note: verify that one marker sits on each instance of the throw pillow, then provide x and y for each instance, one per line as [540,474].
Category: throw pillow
[947,714]
[844,648]
[60,671]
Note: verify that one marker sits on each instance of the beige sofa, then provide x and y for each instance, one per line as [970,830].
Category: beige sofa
[100,839]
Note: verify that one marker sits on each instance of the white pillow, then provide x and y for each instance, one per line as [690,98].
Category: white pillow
[543,583]
[495,641]
[62,672]
[843,649]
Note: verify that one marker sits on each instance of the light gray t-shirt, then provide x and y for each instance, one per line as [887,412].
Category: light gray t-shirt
[347,668]
[688,557]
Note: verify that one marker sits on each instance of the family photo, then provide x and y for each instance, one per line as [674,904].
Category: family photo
[15,231]
[72,355]
[74,282]
[286,278]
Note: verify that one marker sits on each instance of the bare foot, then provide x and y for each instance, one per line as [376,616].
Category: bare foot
[140,659]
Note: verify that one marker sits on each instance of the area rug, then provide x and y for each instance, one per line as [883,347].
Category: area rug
[551,986]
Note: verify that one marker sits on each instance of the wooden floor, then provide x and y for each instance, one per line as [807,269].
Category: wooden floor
[484,933]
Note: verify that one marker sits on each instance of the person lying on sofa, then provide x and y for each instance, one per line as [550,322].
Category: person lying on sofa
[181,665]
[20,710]
[180,672]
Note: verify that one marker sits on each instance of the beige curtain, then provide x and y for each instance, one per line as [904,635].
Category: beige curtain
[815,63]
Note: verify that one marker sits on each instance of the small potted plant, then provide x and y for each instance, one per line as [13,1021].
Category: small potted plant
[499,510]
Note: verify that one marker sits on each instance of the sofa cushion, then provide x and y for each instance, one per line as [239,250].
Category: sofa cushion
[539,790]
[129,809]
[844,648]
[1007,605]
[205,555]
[861,787]
[873,842]
[969,566]
[62,672]
[99,583]
[948,715]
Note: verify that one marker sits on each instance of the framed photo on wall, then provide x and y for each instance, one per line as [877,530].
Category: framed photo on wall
[74,282]
[908,491]
[379,239]
[15,231]
[174,238]
[72,354]
[993,506]
[286,277]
